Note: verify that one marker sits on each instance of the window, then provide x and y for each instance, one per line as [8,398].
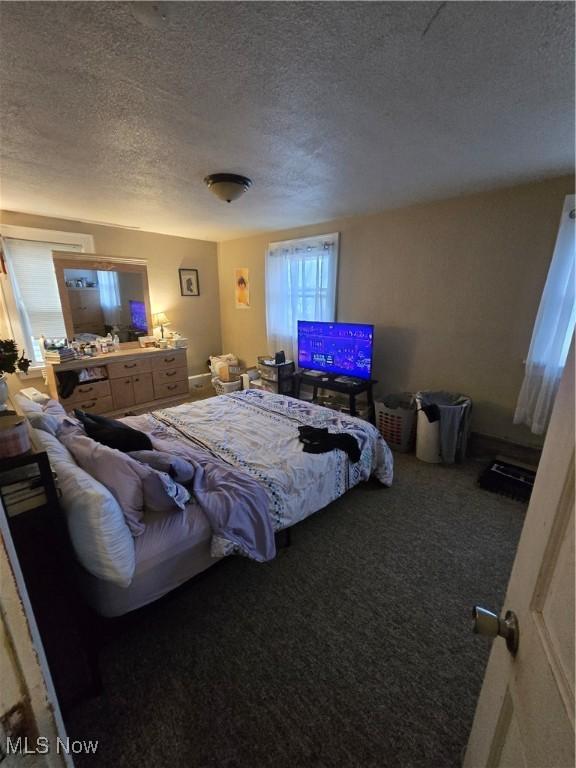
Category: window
[300,285]
[552,332]
[110,299]
[30,290]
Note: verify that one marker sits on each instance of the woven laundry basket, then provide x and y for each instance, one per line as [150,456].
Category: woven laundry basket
[396,422]
[223,387]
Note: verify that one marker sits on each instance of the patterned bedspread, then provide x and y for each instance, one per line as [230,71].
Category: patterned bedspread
[257,432]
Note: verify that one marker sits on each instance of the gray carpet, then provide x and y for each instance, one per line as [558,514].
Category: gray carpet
[352,650]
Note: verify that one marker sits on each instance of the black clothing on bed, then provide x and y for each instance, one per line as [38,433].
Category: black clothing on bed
[113,433]
[319,440]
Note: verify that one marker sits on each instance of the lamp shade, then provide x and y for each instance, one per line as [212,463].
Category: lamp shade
[159,318]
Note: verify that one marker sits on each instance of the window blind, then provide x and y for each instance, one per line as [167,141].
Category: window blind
[33,280]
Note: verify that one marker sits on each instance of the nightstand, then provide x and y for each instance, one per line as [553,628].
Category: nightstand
[40,536]
[26,483]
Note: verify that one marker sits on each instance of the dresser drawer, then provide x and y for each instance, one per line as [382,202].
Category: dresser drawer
[122,392]
[87,391]
[172,358]
[143,387]
[96,405]
[130,367]
[170,374]
[170,388]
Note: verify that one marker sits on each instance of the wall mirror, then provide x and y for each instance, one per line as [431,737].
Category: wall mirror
[103,294]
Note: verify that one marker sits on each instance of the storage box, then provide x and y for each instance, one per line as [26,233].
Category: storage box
[509,478]
[272,372]
[230,372]
[180,343]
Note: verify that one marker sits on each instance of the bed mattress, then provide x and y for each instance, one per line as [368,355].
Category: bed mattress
[245,437]
[173,549]
[257,432]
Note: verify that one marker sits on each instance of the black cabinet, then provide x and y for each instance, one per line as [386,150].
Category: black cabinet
[342,384]
[275,377]
[40,537]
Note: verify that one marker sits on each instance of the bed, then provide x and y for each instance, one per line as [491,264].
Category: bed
[243,440]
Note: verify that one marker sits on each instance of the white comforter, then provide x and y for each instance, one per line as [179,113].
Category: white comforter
[257,432]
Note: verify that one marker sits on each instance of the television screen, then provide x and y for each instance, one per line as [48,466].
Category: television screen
[344,349]
[138,316]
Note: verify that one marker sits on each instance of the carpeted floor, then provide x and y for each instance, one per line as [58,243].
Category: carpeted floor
[352,650]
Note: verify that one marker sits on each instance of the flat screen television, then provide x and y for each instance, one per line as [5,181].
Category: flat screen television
[138,320]
[343,349]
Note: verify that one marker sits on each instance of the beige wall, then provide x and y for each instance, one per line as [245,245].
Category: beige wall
[197,318]
[451,286]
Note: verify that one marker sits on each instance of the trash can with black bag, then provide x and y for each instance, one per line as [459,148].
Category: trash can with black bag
[443,425]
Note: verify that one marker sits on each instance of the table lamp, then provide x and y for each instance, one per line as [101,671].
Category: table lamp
[159,319]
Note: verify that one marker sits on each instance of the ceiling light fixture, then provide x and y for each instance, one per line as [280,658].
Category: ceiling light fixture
[227,186]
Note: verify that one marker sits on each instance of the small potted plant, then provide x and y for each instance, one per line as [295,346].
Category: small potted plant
[10,363]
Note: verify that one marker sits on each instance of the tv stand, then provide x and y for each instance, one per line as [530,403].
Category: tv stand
[344,384]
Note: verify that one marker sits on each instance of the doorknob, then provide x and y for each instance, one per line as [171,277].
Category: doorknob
[491,625]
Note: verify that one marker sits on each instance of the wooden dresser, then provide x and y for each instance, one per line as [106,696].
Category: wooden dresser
[134,380]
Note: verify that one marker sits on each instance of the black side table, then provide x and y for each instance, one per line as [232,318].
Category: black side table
[350,387]
[40,536]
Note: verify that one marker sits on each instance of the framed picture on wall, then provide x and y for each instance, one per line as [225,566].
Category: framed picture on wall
[242,288]
[189,284]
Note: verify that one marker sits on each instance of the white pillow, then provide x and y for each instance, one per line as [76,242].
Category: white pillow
[99,533]
[53,422]
[26,405]
[47,416]
[47,422]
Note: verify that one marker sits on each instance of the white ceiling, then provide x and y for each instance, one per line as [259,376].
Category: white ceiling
[332,108]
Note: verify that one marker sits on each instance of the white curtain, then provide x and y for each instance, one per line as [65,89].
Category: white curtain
[300,285]
[110,300]
[552,332]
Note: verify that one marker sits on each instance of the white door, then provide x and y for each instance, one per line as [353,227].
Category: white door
[525,713]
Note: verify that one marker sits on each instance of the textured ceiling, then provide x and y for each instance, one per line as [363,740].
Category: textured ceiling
[333,109]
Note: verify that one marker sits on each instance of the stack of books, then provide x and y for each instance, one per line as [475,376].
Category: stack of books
[22,489]
[59,355]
